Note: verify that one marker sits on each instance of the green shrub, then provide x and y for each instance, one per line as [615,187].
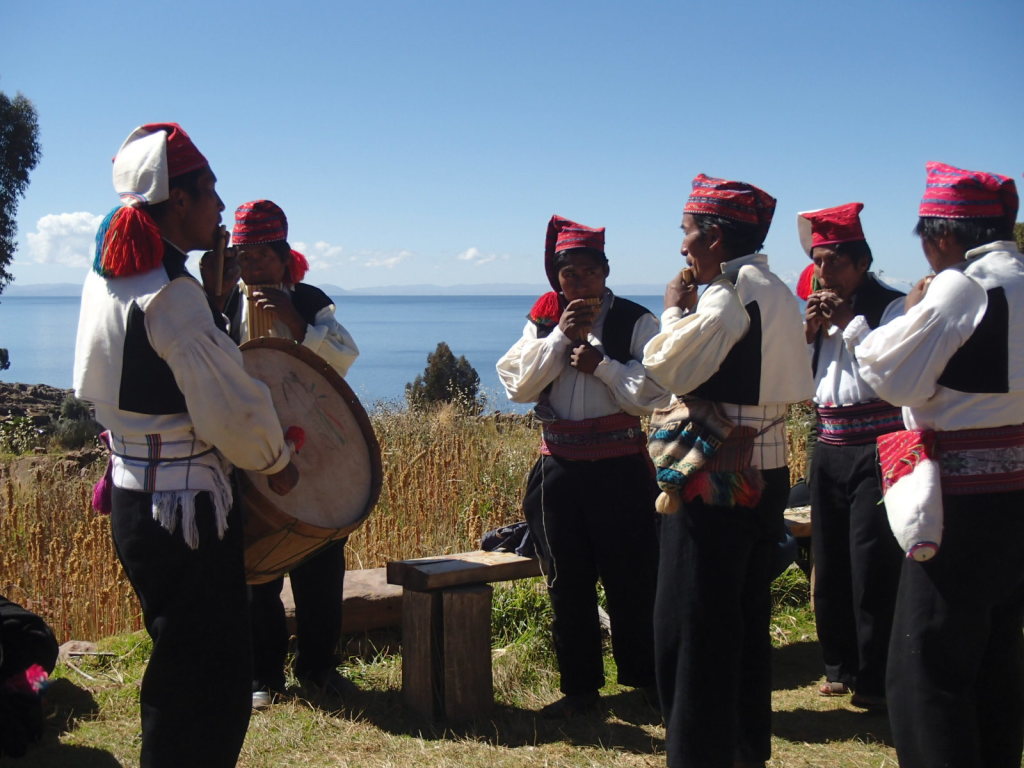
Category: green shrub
[446,379]
[75,427]
[20,435]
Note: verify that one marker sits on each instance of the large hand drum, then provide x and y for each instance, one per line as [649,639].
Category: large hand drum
[339,464]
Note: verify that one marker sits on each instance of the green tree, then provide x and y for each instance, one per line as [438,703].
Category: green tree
[1018,234]
[19,154]
[446,379]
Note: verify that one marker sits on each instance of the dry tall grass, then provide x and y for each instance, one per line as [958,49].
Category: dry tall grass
[56,554]
[447,479]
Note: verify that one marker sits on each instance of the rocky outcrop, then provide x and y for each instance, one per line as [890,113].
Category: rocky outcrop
[38,402]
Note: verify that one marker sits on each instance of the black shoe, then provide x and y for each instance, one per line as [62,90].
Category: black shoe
[649,693]
[572,705]
[868,701]
[329,685]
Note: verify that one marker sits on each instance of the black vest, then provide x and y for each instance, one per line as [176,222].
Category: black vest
[738,379]
[617,332]
[308,300]
[147,383]
[870,300]
[982,364]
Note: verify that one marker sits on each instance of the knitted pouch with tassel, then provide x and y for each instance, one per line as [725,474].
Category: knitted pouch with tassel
[682,438]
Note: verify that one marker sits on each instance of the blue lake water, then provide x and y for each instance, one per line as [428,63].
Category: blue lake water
[394,333]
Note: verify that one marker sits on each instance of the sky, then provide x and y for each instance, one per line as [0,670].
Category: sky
[430,142]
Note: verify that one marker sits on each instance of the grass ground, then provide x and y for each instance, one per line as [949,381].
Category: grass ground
[93,710]
[447,479]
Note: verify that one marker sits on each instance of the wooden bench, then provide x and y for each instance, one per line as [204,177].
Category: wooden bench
[446,629]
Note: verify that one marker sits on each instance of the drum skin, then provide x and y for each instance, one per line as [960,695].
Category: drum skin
[339,464]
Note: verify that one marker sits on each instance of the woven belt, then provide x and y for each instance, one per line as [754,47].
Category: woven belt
[981,460]
[857,424]
[605,437]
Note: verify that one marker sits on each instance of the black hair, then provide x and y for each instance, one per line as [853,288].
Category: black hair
[282,249]
[186,181]
[738,238]
[857,251]
[969,233]
[562,257]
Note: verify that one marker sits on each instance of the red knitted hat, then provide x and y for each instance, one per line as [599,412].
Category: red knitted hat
[564,235]
[735,200]
[257,222]
[953,193]
[829,226]
[182,155]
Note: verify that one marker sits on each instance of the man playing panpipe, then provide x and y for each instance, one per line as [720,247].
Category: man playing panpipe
[273,301]
[856,559]
[739,351]
[589,497]
[955,362]
[169,386]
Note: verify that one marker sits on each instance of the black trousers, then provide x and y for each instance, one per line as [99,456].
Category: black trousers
[856,566]
[318,588]
[956,672]
[195,696]
[711,631]
[595,520]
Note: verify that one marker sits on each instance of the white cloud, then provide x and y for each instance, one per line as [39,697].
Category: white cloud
[321,254]
[388,260]
[64,238]
[474,256]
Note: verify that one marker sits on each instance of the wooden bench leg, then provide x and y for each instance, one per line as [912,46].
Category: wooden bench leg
[446,652]
[468,683]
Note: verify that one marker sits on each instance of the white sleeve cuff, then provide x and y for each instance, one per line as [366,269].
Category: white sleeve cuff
[670,315]
[855,332]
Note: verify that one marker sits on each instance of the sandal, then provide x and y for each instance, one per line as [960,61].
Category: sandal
[833,688]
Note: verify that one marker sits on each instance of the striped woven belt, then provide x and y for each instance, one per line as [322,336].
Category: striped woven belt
[981,460]
[605,437]
[857,424]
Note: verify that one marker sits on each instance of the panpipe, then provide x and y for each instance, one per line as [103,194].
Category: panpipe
[259,320]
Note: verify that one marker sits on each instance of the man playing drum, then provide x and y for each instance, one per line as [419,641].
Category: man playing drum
[275,302]
[589,498]
[169,386]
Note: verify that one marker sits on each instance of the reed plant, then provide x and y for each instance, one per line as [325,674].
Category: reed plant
[56,554]
[449,476]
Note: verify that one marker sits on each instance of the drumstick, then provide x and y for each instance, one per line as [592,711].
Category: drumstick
[295,436]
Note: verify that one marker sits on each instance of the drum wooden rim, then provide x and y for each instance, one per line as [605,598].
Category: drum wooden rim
[263,509]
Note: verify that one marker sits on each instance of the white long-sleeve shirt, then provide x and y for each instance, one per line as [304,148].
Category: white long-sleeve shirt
[534,362]
[837,380]
[904,359]
[160,445]
[692,347]
[226,407]
[325,336]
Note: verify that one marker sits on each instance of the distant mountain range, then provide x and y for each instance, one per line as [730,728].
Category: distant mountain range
[476,289]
